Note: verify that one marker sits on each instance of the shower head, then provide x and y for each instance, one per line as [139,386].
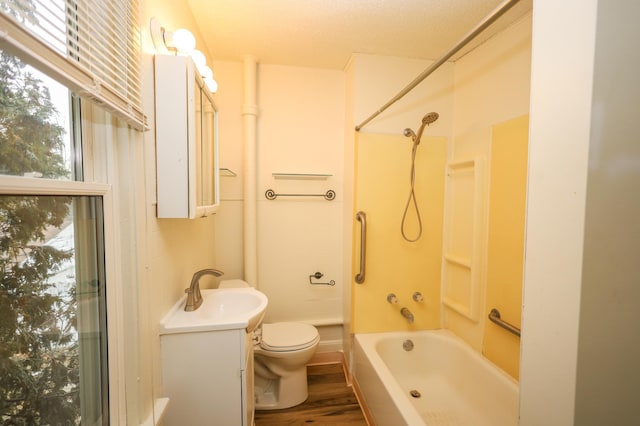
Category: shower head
[426,120]
[430,118]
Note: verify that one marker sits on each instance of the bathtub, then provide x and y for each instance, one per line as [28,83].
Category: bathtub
[440,381]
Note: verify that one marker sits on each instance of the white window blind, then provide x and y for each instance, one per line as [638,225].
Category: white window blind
[91,46]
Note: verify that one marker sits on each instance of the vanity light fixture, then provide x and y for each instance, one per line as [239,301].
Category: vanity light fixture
[181,42]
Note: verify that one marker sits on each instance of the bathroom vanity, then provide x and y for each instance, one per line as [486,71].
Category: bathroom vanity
[208,377]
[207,358]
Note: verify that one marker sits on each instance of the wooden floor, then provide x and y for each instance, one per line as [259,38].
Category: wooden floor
[330,402]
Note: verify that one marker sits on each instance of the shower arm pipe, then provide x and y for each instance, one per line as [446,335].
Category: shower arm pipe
[481,26]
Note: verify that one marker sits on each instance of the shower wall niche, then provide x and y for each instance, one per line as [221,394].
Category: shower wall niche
[464,237]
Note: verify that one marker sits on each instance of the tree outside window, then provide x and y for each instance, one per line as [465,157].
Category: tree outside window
[41,365]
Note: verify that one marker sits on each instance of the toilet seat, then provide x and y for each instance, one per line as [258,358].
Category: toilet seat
[288,336]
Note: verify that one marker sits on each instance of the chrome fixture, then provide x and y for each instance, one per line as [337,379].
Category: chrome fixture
[407,314]
[391,298]
[194,297]
[473,33]
[494,317]
[362,218]
[417,296]
[426,120]
[270,194]
[407,345]
[317,276]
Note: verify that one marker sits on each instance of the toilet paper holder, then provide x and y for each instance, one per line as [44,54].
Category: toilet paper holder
[317,276]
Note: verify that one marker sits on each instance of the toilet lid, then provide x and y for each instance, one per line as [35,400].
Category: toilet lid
[288,336]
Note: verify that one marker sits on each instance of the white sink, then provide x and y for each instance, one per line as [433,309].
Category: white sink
[221,309]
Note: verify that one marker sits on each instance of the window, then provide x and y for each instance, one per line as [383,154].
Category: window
[53,288]
[64,216]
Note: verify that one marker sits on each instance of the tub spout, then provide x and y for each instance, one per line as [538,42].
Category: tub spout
[407,314]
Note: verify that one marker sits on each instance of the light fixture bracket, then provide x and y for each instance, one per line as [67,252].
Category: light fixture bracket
[157,36]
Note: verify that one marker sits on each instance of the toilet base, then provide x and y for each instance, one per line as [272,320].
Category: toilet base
[283,392]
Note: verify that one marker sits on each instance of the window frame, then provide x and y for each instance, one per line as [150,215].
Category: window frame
[13,185]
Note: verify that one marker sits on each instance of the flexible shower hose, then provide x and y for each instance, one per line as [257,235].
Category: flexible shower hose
[412,197]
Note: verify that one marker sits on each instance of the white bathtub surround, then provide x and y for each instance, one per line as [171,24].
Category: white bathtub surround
[451,383]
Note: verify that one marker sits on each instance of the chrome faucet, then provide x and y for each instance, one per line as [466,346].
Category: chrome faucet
[407,314]
[194,297]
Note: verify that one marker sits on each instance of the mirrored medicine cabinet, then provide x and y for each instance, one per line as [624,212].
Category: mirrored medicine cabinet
[186,140]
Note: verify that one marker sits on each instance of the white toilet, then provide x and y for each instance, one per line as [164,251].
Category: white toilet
[281,353]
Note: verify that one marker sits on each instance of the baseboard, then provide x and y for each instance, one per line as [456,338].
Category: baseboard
[322,358]
[330,346]
[363,406]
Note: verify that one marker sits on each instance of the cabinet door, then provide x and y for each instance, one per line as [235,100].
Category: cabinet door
[186,140]
[202,377]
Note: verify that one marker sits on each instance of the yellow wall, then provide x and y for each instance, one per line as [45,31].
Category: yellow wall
[394,265]
[506,240]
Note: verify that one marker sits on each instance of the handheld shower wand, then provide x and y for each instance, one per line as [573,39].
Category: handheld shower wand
[426,120]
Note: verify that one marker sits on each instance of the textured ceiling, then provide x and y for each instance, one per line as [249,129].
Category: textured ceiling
[324,33]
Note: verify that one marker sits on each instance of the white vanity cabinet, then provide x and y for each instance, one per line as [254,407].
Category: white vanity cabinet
[208,377]
[186,124]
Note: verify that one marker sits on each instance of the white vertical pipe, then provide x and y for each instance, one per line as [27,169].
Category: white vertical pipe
[250,118]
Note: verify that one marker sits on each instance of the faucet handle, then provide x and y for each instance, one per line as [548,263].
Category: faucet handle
[417,296]
[391,298]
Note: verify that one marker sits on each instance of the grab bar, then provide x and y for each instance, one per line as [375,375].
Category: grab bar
[494,316]
[362,218]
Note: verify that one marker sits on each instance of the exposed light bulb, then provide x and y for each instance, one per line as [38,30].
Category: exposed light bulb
[212,85]
[184,41]
[198,58]
[206,72]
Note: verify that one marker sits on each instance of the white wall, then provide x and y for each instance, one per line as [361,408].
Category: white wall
[581,314]
[377,79]
[561,86]
[229,236]
[300,130]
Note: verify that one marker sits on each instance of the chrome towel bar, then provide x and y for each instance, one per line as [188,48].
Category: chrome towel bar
[494,316]
[270,194]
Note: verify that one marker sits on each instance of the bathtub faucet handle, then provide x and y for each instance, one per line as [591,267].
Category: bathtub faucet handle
[391,298]
[417,296]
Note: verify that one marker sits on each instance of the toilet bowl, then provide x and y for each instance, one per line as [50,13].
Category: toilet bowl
[280,364]
[281,353]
